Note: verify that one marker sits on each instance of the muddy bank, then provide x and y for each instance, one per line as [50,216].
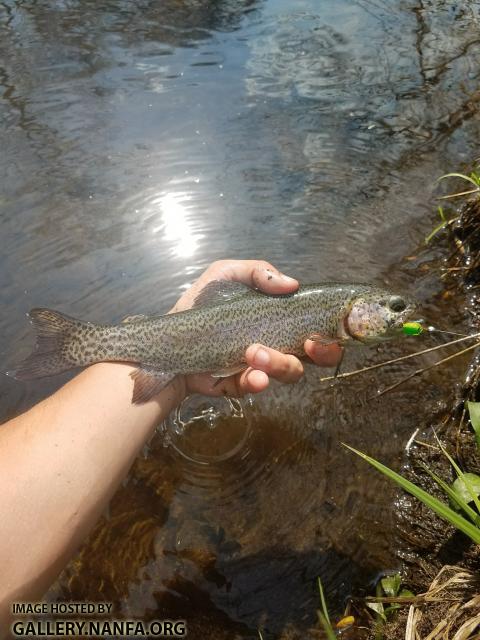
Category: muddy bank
[435,554]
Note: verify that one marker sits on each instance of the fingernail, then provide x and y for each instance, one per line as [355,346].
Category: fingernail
[261,358]
[287,278]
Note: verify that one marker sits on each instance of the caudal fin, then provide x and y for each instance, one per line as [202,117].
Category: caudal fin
[53,330]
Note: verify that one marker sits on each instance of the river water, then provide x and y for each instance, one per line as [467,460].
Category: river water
[142,140]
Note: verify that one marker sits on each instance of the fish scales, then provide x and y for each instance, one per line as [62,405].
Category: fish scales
[214,335]
[211,338]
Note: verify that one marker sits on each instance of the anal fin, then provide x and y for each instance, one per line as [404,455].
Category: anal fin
[148,382]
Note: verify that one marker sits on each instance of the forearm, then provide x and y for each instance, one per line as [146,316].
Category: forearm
[60,463]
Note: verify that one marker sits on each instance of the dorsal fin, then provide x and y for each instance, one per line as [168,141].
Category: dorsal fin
[136,318]
[220,291]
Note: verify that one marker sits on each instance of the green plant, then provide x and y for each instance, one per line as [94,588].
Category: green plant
[474,413]
[323,616]
[468,525]
[465,482]
[388,587]
[439,227]
[457,500]
[473,178]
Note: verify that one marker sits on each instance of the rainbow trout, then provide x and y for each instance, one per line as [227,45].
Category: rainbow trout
[213,336]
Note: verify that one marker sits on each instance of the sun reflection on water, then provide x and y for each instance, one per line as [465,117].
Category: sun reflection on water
[176,226]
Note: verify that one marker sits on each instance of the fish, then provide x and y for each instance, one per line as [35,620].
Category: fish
[212,336]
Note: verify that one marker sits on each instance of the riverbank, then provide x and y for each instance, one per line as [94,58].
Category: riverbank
[442,566]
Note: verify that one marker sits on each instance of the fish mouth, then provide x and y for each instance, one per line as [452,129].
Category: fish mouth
[404,316]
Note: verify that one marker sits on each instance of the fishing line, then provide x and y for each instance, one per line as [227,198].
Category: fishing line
[415,328]
[450,333]
[423,369]
[348,374]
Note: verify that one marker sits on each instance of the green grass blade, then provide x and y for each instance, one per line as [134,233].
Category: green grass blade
[453,495]
[433,233]
[327,627]
[323,614]
[440,508]
[474,413]
[458,175]
[460,474]
[323,602]
[379,610]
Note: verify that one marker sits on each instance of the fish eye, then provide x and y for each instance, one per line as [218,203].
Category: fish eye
[396,303]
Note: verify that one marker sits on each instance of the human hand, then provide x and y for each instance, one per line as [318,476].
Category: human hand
[263,363]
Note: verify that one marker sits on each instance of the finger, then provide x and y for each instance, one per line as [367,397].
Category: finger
[254,273]
[252,381]
[283,367]
[325,355]
[259,274]
[249,381]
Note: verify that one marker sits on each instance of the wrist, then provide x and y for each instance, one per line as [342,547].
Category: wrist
[117,382]
[176,390]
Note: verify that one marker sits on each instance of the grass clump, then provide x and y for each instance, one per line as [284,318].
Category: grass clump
[447,610]
[462,493]
[389,598]
[440,508]
[452,616]
[474,179]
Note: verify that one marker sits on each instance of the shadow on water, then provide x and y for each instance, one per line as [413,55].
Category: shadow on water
[240,537]
[142,140]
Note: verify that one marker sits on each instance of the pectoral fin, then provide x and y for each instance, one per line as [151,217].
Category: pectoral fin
[339,365]
[148,382]
[218,291]
[229,371]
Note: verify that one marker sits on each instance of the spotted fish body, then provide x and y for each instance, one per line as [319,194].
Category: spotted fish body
[213,336]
